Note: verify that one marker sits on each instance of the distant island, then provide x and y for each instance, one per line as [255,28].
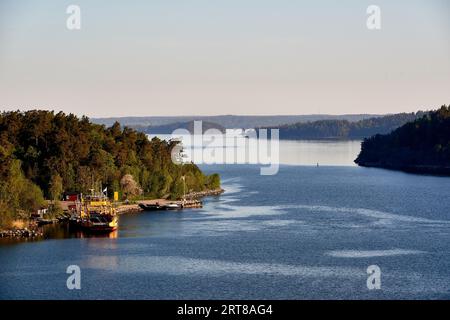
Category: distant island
[295,127]
[44,155]
[421,146]
[169,128]
[345,129]
[229,121]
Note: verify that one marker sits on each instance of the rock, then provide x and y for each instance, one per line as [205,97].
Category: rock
[21,233]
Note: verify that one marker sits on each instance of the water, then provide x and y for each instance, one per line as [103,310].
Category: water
[301,152]
[306,233]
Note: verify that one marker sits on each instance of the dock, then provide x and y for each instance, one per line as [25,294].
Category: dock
[188,203]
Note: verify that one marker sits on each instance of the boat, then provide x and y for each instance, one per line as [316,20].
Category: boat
[43,222]
[172,206]
[150,207]
[158,207]
[100,223]
[95,213]
[74,223]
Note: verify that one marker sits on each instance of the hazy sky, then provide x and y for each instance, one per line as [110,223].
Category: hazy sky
[198,57]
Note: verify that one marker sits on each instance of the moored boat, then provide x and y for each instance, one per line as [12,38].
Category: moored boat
[150,206]
[95,213]
[172,206]
[158,207]
[100,223]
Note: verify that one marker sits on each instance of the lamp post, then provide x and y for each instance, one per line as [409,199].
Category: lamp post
[184,187]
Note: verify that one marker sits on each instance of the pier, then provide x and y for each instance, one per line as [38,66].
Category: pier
[164,203]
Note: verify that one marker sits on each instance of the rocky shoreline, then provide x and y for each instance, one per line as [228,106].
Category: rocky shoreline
[21,233]
[128,208]
[206,193]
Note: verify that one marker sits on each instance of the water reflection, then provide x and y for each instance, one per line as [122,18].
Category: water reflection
[299,152]
[62,231]
[104,262]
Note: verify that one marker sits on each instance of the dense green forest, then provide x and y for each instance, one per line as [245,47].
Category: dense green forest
[43,155]
[344,129]
[422,145]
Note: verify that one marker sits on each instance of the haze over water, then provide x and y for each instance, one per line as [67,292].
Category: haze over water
[299,152]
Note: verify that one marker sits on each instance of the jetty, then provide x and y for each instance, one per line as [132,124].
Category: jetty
[164,204]
[190,200]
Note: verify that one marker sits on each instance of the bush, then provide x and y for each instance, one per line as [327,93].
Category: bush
[18,195]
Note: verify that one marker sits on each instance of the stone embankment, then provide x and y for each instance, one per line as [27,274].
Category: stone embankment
[21,233]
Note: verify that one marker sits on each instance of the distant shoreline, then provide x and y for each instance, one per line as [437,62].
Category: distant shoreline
[417,169]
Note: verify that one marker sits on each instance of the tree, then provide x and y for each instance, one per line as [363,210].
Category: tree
[18,195]
[129,186]
[82,154]
[214,181]
[419,146]
[344,129]
[6,214]
[56,187]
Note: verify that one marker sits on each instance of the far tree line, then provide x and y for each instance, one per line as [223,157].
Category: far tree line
[344,129]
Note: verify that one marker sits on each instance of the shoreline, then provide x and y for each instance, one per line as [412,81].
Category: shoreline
[206,193]
[25,233]
[33,231]
[30,231]
[192,199]
[416,169]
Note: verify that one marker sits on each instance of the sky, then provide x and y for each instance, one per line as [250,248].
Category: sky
[212,57]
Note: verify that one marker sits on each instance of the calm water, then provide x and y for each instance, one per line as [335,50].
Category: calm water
[308,232]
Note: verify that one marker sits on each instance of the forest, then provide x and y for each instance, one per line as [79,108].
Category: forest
[344,129]
[421,146]
[45,154]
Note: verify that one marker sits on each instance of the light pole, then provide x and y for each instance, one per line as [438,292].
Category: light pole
[184,186]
